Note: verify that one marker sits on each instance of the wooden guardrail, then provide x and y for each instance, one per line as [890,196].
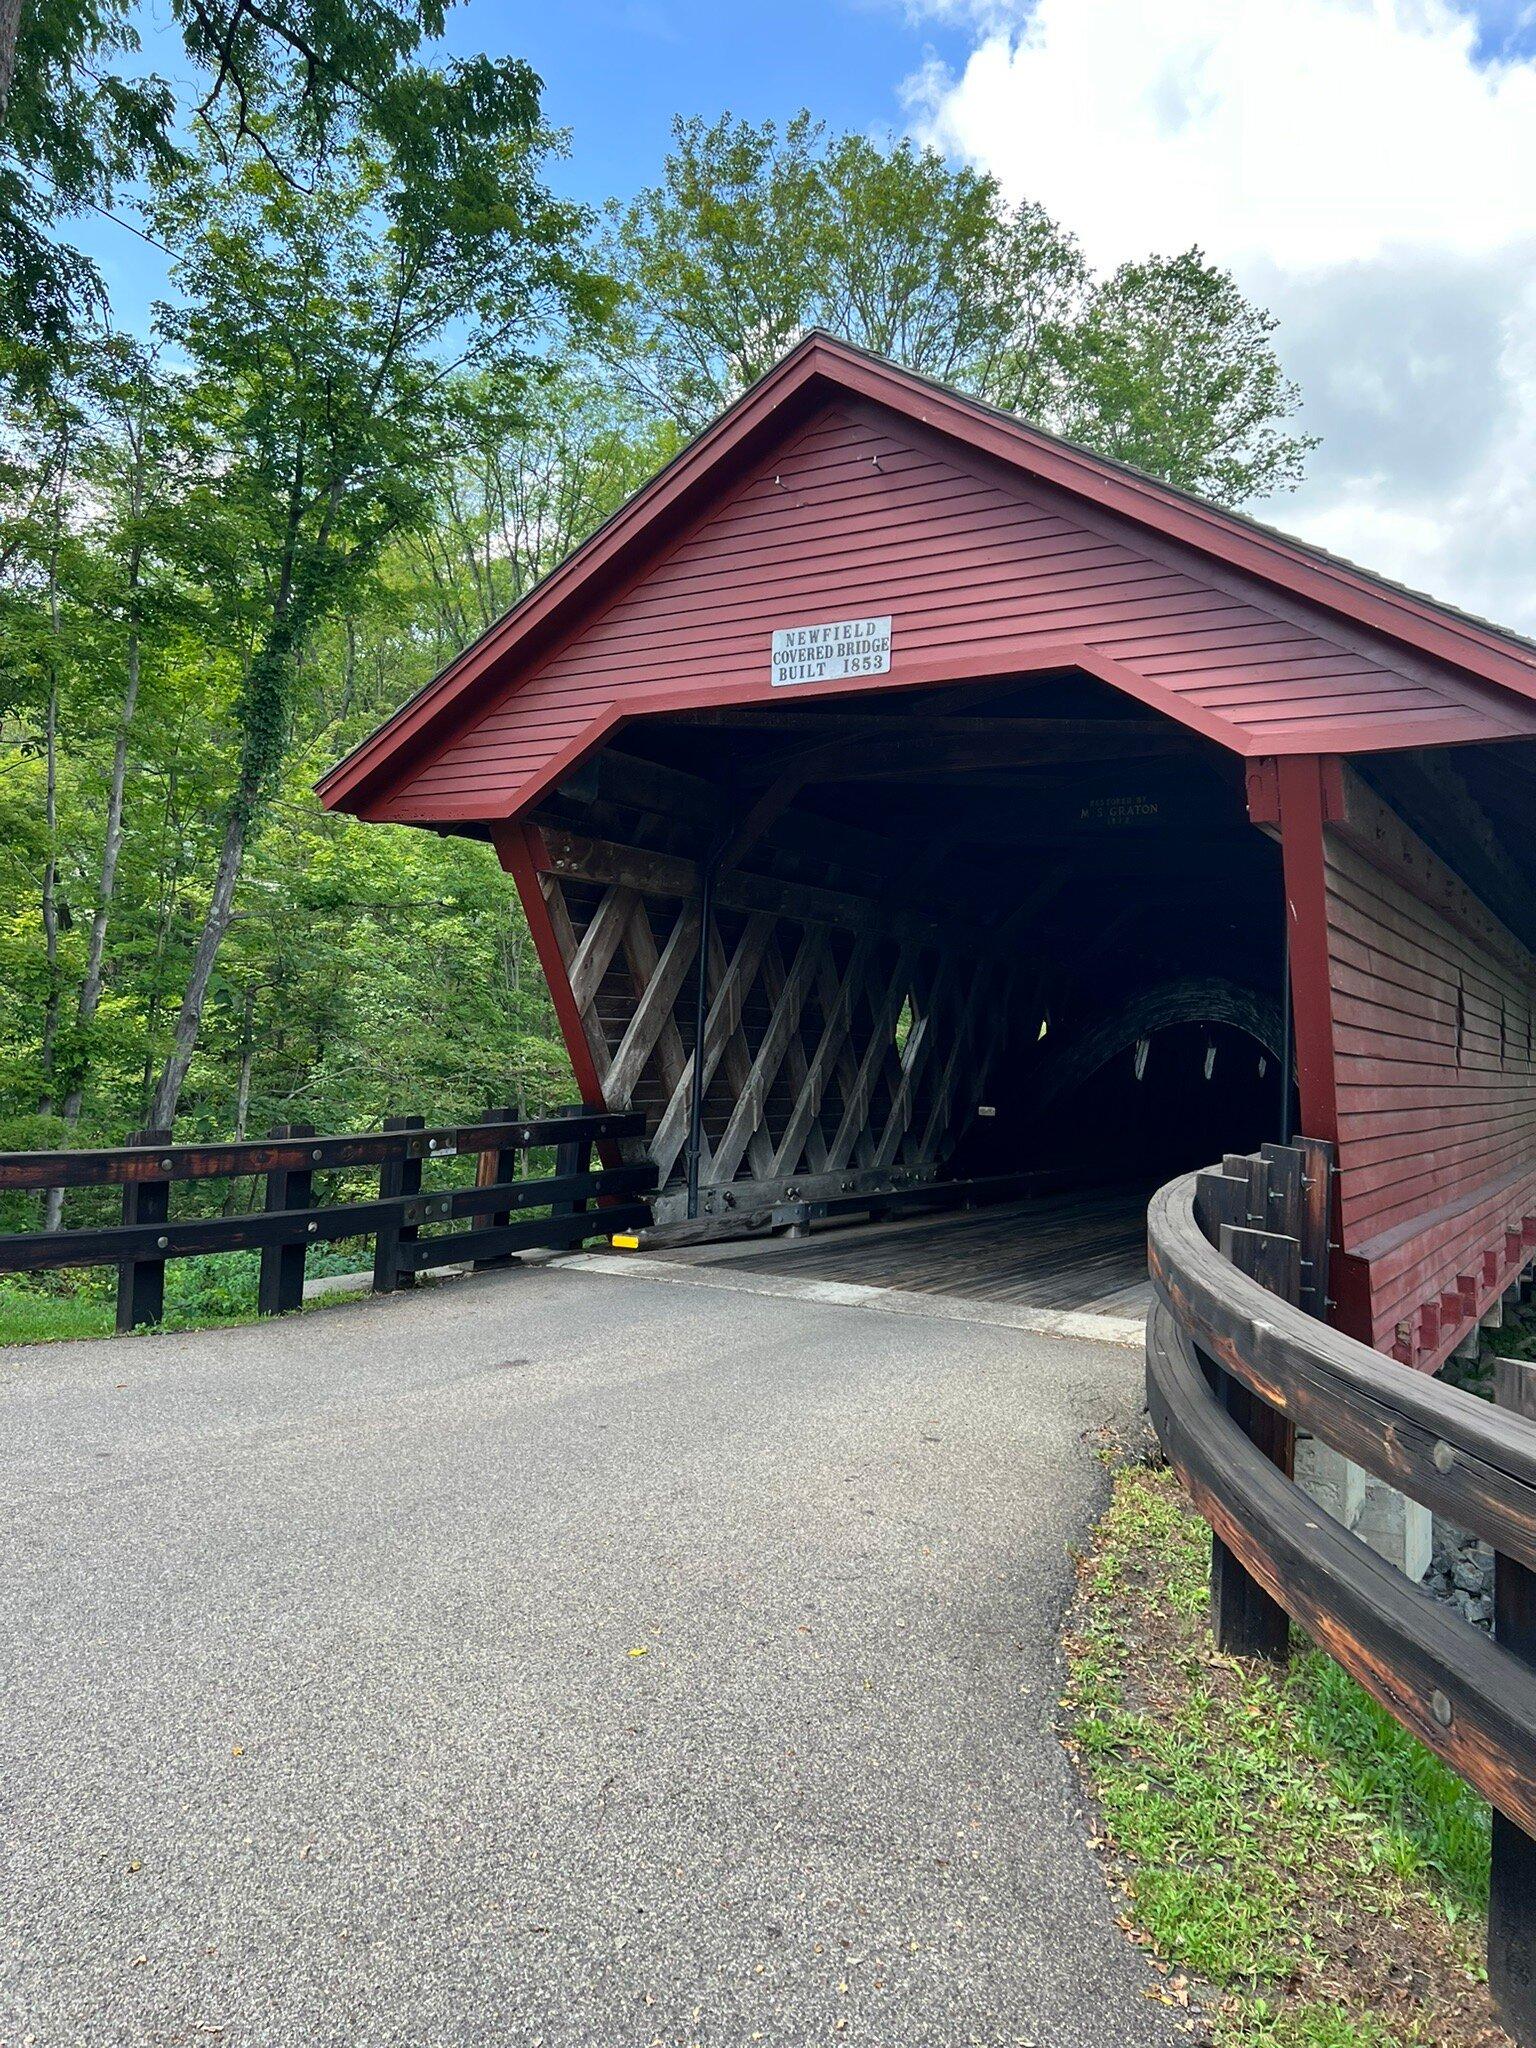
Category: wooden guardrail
[290,1221]
[1237,1361]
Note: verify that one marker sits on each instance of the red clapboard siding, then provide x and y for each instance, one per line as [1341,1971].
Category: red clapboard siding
[855,513]
[1435,1068]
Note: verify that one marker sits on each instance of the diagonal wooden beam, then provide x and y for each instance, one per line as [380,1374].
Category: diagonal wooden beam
[959,1053]
[658,977]
[844,1064]
[558,918]
[747,1116]
[723,1038]
[520,849]
[914,1057]
[837,1002]
[599,942]
[775,976]
[856,1103]
[736,1058]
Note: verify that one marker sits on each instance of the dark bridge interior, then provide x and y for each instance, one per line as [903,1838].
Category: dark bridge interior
[1057,937]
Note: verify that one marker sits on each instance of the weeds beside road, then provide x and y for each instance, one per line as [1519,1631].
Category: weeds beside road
[1304,1873]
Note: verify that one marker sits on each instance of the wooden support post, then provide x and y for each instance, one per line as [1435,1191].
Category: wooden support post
[1512,1876]
[572,1157]
[1246,1621]
[494,1167]
[141,1282]
[1220,1198]
[1514,1386]
[1253,1172]
[1287,1170]
[280,1283]
[1308,788]
[1316,1224]
[396,1177]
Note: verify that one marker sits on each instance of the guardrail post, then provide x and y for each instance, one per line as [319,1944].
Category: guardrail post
[396,1177]
[1316,1224]
[1512,1875]
[573,1157]
[141,1282]
[496,1166]
[1244,1618]
[280,1283]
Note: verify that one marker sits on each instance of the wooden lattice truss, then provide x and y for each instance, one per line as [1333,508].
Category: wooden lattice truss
[846,1045]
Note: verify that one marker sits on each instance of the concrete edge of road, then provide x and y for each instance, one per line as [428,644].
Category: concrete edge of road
[1041,1322]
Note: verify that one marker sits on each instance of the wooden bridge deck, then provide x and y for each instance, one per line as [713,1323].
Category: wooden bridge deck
[1080,1251]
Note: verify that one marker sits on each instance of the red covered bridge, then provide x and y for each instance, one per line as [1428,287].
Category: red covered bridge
[974,801]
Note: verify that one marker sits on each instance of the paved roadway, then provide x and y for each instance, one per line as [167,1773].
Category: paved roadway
[322,1721]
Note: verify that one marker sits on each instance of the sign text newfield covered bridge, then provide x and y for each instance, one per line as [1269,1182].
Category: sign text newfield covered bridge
[999,778]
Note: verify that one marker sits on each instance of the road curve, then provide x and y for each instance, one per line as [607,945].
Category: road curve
[552,1658]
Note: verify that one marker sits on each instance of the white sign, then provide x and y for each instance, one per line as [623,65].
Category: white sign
[841,647]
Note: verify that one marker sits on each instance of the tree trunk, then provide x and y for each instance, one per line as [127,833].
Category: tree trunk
[50,897]
[190,1016]
[112,846]
[10,31]
[96,951]
[247,1055]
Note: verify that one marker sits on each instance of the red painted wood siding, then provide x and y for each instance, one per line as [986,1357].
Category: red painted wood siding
[859,513]
[1435,1072]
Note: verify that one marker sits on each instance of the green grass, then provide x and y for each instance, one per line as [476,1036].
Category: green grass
[200,1294]
[1309,2026]
[28,1315]
[1253,1812]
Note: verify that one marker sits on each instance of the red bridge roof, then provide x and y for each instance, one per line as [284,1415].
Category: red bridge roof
[843,487]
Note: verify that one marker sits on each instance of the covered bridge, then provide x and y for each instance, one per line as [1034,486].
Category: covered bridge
[975,802]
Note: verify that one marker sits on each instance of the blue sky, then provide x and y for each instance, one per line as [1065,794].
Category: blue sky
[1366,169]
[616,71]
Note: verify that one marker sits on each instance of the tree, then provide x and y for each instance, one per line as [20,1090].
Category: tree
[529,481]
[79,119]
[1171,369]
[135,468]
[755,235]
[324,331]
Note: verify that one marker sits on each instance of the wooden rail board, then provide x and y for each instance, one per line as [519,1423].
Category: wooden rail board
[291,1219]
[1405,1648]
[1234,1366]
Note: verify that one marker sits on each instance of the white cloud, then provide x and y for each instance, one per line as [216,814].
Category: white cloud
[1365,175]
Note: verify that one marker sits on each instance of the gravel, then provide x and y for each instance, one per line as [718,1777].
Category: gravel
[1461,1573]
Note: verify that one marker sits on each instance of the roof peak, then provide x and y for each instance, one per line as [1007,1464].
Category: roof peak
[786,392]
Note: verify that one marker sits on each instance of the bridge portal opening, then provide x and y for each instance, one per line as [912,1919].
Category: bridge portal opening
[1012,943]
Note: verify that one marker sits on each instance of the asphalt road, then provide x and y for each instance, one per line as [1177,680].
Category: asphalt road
[323,1721]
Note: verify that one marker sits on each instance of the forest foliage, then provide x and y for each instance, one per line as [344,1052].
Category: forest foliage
[396,378]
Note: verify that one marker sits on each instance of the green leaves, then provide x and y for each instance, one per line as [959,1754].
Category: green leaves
[79,121]
[1171,369]
[755,235]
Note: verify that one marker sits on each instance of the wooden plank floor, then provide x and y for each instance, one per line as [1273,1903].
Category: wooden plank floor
[1085,1250]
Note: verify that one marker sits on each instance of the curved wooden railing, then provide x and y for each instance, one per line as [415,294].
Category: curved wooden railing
[1234,1368]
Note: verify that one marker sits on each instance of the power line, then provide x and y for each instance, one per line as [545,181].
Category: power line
[31,171]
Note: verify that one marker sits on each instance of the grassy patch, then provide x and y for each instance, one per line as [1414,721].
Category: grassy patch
[200,1294]
[1278,1837]
[36,1315]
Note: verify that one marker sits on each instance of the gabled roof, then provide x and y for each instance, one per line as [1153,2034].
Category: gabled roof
[1478,670]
